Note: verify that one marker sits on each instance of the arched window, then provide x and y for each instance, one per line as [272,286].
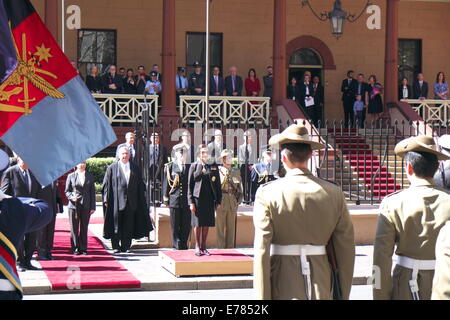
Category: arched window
[305,57]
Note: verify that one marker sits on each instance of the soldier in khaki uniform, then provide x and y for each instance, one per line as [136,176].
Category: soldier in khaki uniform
[232,195]
[410,219]
[441,280]
[295,217]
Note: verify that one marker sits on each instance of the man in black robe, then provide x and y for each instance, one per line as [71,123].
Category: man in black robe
[124,205]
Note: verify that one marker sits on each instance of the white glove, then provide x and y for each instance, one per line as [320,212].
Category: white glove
[3,196]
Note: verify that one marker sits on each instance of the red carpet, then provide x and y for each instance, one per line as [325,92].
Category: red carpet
[98,270]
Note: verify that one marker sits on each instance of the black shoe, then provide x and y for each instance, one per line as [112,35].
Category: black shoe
[29,266]
[42,258]
[206,252]
[84,253]
[21,268]
[198,253]
[49,256]
[116,251]
[77,253]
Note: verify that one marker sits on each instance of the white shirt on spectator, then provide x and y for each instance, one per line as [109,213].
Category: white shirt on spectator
[405,93]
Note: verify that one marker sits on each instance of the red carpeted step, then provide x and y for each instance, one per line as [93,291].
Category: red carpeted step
[368,162]
[369,168]
[379,180]
[349,140]
[371,174]
[361,157]
[388,186]
[97,270]
[353,146]
[339,129]
[382,193]
[356,151]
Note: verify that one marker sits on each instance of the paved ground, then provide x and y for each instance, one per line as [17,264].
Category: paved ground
[145,266]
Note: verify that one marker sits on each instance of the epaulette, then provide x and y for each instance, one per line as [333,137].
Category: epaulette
[394,193]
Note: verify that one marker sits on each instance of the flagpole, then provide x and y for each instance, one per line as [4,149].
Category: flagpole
[63,29]
[207,72]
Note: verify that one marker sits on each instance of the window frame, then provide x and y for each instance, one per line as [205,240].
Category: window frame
[419,41]
[220,34]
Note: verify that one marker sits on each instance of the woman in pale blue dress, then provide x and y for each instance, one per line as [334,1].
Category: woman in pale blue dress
[440,87]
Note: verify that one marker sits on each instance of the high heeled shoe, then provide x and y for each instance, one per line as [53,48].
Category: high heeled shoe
[206,252]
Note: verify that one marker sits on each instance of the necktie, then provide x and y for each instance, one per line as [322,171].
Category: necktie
[359,89]
[25,178]
[180,85]
[130,148]
[217,82]
[232,78]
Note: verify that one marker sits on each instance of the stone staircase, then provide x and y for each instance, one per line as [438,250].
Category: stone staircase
[364,164]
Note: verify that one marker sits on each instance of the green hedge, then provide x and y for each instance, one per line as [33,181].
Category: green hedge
[97,166]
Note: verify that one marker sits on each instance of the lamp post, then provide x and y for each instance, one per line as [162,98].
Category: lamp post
[337,16]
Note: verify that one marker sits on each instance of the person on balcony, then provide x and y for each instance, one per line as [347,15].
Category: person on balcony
[293,90]
[348,98]
[216,83]
[181,83]
[252,84]
[204,197]
[112,82]
[420,88]
[409,223]
[94,81]
[404,90]
[197,80]
[155,69]
[153,86]
[268,82]
[233,83]
[440,87]
[141,79]
[129,83]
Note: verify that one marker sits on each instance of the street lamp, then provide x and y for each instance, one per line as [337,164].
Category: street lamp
[337,16]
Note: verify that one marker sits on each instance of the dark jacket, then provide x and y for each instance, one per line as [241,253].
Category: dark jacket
[400,92]
[13,183]
[420,91]
[157,164]
[364,88]
[129,87]
[140,84]
[212,85]
[293,91]
[175,185]
[303,93]
[52,196]
[318,95]
[94,84]
[109,79]
[348,91]
[84,193]
[196,81]
[237,86]
[268,80]
[121,197]
[195,182]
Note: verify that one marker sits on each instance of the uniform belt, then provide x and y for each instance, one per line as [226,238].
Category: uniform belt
[303,251]
[415,265]
[6,285]
[297,250]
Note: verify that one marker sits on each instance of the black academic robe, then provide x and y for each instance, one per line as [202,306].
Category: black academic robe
[127,200]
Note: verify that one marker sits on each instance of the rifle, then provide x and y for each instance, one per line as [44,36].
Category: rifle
[335,282]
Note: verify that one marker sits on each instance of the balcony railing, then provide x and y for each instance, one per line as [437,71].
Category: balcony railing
[431,110]
[126,108]
[226,110]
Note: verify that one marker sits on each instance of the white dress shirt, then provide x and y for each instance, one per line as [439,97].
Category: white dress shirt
[126,170]
[81,177]
[405,92]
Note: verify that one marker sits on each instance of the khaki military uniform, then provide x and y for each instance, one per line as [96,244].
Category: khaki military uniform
[441,280]
[226,214]
[409,219]
[301,209]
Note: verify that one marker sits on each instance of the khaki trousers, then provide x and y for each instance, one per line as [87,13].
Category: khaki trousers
[226,222]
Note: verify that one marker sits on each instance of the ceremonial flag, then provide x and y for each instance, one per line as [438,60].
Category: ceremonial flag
[47,115]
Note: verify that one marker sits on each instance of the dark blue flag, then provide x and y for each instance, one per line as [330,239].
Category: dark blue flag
[8,57]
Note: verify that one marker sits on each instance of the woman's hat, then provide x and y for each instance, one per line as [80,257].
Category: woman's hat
[295,134]
[419,144]
[226,153]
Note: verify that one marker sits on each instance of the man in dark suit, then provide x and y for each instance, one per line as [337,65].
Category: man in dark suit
[420,88]
[18,181]
[233,83]
[318,95]
[112,82]
[157,158]
[306,91]
[348,98]
[216,83]
[49,194]
[176,184]
[129,138]
[362,88]
[246,159]
[124,205]
[268,79]
[141,79]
